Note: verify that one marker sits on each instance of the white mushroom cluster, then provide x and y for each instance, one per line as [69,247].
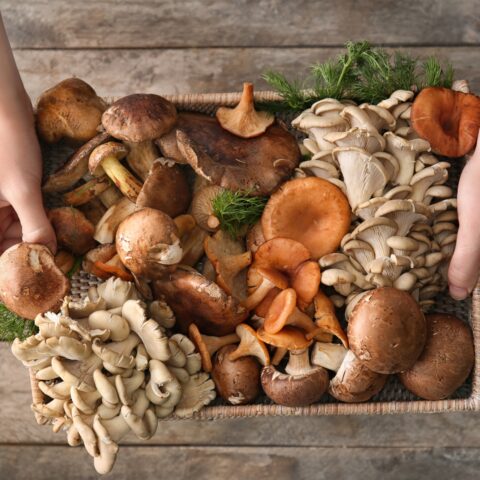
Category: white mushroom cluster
[405,221]
[108,365]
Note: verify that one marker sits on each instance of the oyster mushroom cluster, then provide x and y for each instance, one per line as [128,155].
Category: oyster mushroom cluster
[109,364]
[404,224]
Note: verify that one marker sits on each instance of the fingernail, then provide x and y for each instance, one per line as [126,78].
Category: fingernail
[458,293]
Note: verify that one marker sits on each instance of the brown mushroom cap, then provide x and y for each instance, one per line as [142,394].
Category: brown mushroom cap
[309,210]
[103,151]
[30,282]
[70,110]
[193,298]
[258,165]
[294,390]
[354,382]
[72,229]
[447,119]
[139,117]
[148,244]
[166,189]
[237,381]
[387,330]
[446,360]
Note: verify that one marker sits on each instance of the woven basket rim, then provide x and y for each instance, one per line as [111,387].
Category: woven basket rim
[472,403]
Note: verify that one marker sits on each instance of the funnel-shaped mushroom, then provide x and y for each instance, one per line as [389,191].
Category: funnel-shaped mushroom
[376,231]
[449,120]
[309,210]
[325,318]
[250,345]
[355,137]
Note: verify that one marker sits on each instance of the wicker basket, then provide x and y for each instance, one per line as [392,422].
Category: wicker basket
[394,398]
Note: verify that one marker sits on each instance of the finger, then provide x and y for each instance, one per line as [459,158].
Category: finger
[36,227]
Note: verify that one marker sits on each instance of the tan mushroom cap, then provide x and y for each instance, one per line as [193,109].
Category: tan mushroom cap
[258,165]
[105,150]
[290,338]
[139,117]
[166,189]
[71,110]
[306,282]
[446,361]
[325,317]
[309,210]
[72,229]
[193,298]
[387,330]
[148,244]
[30,282]
[250,345]
[243,120]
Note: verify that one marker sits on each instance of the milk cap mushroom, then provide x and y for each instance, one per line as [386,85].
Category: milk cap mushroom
[250,345]
[237,381]
[446,360]
[448,119]
[258,165]
[243,120]
[148,243]
[193,298]
[387,330]
[290,338]
[325,318]
[71,110]
[202,208]
[309,210]
[30,282]
[354,382]
[261,281]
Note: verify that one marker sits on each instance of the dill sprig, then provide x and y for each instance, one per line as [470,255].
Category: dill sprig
[12,326]
[237,210]
[75,268]
[363,74]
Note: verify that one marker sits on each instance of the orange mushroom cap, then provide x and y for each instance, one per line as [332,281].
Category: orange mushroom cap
[309,210]
[290,338]
[447,119]
[306,282]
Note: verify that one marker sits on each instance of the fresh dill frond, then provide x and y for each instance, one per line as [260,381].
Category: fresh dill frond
[436,76]
[76,267]
[293,92]
[12,326]
[237,210]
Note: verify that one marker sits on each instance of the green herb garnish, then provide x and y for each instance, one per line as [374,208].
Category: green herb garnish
[363,74]
[76,267]
[237,210]
[12,326]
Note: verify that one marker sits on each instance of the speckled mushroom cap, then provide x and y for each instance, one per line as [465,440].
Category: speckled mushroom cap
[139,117]
[446,361]
[194,298]
[110,149]
[387,330]
[30,282]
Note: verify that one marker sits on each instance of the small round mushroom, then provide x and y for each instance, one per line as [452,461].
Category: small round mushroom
[237,381]
[70,110]
[387,330]
[30,282]
[446,360]
[72,229]
[148,244]
[309,210]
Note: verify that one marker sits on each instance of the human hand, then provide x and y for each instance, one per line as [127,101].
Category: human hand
[465,264]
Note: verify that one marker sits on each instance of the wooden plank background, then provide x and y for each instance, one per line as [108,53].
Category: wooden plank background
[207,46]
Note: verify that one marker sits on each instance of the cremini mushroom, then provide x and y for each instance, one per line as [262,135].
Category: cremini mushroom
[328,355]
[243,120]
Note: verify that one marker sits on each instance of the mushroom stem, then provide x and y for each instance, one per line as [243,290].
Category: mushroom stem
[122,178]
[88,191]
[278,355]
[298,363]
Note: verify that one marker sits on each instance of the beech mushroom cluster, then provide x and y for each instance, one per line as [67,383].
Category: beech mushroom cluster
[404,227]
[109,364]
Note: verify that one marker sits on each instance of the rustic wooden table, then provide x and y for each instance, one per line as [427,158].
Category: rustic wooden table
[194,46]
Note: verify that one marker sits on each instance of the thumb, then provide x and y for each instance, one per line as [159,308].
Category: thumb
[36,228]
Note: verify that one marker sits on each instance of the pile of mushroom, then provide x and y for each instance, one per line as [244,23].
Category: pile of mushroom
[404,227]
[109,364]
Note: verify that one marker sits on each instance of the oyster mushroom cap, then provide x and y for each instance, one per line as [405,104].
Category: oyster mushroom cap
[139,117]
[197,393]
[375,231]
[446,361]
[258,165]
[71,110]
[148,243]
[30,282]
[424,179]
[319,225]
[370,141]
[381,117]
[193,298]
[387,330]
[354,382]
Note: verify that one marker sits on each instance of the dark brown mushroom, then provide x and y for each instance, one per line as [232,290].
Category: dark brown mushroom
[258,165]
[72,229]
[446,361]
[71,110]
[193,298]
[387,330]
[237,381]
[30,282]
